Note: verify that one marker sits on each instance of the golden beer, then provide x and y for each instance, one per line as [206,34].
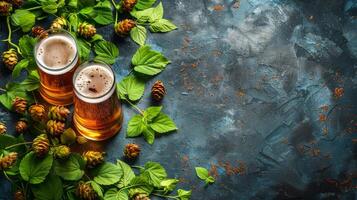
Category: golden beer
[97,109]
[57,59]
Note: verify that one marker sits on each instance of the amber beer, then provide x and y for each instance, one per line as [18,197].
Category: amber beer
[57,59]
[97,109]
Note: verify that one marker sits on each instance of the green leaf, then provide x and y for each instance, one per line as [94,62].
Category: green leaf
[138,34]
[149,135]
[151,112]
[163,26]
[100,13]
[49,6]
[73,21]
[7,140]
[142,186]
[209,180]
[84,49]
[184,194]
[158,13]
[27,44]
[114,194]
[135,126]
[107,174]
[97,188]
[163,124]
[106,51]
[13,90]
[149,62]
[51,188]
[168,185]
[19,67]
[33,169]
[131,87]
[96,37]
[144,4]
[203,174]
[149,15]
[23,18]
[68,169]
[32,82]
[128,174]
[73,3]
[154,173]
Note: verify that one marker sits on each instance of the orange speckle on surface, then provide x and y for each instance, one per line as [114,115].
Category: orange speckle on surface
[218,7]
[322,118]
[338,92]
[213,171]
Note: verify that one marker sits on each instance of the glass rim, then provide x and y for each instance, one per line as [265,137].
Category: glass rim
[83,66]
[54,32]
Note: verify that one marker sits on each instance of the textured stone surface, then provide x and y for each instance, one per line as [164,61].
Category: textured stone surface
[247,85]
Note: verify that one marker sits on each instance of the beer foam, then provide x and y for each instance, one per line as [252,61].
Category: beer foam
[56,52]
[94,81]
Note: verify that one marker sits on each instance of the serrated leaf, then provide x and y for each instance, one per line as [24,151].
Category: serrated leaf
[151,112]
[19,67]
[144,4]
[154,172]
[149,15]
[13,90]
[106,52]
[168,185]
[107,174]
[51,188]
[163,26]
[23,18]
[131,87]
[69,169]
[33,169]
[149,62]
[114,194]
[202,173]
[49,6]
[183,194]
[32,81]
[84,49]
[162,124]
[97,188]
[128,174]
[101,13]
[149,135]
[138,34]
[135,126]
[27,44]
[142,186]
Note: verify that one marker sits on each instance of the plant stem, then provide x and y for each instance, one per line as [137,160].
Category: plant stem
[136,107]
[34,8]
[18,144]
[3,90]
[9,179]
[9,36]
[164,196]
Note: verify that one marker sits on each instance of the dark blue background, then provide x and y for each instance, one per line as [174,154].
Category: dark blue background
[246,85]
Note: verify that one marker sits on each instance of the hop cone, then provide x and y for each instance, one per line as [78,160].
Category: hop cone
[38,31]
[68,136]
[37,112]
[59,23]
[10,58]
[85,191]
[141,197]
[158,91]
[93,158]
[7,161]
[58,113]
[5,8]
[124,27]
[128,5]
[21,126]
[56,128]
[17,3]
[19,105]
[2,128]
[132,151]
[41,145]
[81,140]
[19,195]
[62,151]
[86,30]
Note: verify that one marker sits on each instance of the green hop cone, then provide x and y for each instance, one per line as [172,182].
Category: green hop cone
[93,158]
[141,197]
[68,136]
[86,30]
[10,58]
[40,145]
[8,161]
[55,128]
[59,113]
[59,23]
[5,8]
[62,151]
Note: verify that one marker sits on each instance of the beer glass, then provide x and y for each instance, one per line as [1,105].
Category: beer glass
[97,109]
[57,58]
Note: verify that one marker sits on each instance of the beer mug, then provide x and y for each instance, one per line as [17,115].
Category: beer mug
[57,58]
[97,109]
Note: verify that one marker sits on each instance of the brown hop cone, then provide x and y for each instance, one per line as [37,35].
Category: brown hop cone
[62,151]
[56,128]
[132,151]
[85,191]
[7,161]
[158,91]
[41,145]
[37,112]
[19,105]
[86,30]
[124,27]
[2,128]
[93,158]
[141,197]
[16,3]
[128,5]
[10,58]
[59,23]
[38,31]
[58,113]
[21,126]
[5,8]
[19,195]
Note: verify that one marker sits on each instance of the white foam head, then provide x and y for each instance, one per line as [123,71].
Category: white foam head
[94,82]
[56,54]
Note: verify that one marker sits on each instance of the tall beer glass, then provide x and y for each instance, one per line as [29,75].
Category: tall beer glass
[97,109]
[57,58]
